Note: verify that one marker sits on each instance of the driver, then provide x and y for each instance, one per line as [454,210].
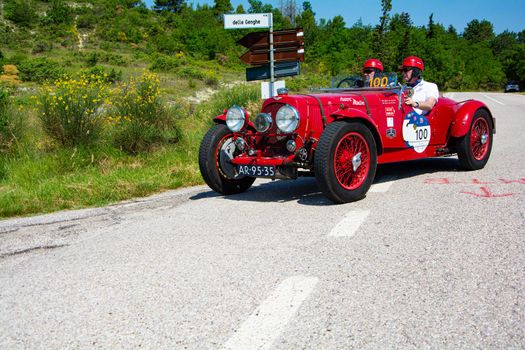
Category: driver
[371,67]
[426,94]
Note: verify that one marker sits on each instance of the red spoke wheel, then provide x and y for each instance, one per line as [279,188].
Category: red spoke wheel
[216,151]
[479,138]
[345,161]
[475,147]
[351,161]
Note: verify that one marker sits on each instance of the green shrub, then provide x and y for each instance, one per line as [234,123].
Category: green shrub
[114,59]
[245,95]
[97,72]
[139,118]
[163,63]
[191,72]
[40,70]
[107,46]
[86,21]
[58,13]
[4,122]
[21,12]
[71,113]
[306,82]
[41,47]
[211,78]
[92,58]
[12,125]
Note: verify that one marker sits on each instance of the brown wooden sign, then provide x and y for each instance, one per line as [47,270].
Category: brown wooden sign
[281,38]
[288,46]
[280,55]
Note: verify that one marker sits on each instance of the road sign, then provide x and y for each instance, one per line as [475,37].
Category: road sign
[283,69]
[277,53]
[282,54]
[281,38]
[248,20]
[288,45]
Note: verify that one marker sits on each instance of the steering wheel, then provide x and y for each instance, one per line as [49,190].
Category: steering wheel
[351,83]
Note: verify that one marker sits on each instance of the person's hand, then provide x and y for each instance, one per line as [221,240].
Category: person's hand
[410,102]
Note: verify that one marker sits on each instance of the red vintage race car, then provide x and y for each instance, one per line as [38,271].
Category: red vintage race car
[339,135]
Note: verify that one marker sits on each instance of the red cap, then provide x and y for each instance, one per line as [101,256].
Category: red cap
[373,63]
[413,61]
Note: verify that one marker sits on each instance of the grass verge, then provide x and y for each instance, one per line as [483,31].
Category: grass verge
[37,179]
[77,178]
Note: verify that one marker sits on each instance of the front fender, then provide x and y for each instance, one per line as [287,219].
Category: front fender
[352,114]
[464,115]
[221,119]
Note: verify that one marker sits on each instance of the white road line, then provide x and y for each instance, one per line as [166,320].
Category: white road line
[382,186]
[267,322]
[493,99]
[350,223]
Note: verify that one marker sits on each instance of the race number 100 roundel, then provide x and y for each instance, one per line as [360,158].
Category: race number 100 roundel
[416,131]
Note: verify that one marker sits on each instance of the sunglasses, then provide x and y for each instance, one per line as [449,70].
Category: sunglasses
[368,71]
[405,70]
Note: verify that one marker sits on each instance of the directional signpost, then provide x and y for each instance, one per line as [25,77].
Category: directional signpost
[274,53]
[283,69]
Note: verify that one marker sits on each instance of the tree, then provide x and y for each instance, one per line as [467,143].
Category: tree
[479,31]
[170,5]
[386,6]
[430,32]
[504,41]
[452,31]
[306,20]
[378,44]
[400,36]
[21,12]
[521,37]
[288,9]
[257,6]
[240,9]
[307,6]
[222,6]
[59,13]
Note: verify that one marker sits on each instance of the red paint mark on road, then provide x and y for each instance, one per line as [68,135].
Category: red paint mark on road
[479,182]
[447,181]
[438,181]
[520,181]
[487,193]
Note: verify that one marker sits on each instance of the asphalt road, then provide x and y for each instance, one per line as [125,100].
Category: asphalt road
[433,257]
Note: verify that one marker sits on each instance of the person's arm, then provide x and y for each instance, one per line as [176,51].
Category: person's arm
[429,103]
[426,105]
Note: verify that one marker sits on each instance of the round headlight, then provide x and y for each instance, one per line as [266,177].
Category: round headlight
[287,119]
[262,122]
[235,118]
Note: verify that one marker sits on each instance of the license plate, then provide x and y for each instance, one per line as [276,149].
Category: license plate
[256,170]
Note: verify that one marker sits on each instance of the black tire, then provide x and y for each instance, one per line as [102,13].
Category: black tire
[214,166]
[474,148]
[336,184]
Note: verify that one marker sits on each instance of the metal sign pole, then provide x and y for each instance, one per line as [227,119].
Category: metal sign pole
[272,65]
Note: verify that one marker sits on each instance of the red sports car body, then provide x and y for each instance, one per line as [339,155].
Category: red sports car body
[339,135]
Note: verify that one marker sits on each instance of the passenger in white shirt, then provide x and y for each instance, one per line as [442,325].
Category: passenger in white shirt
[426,94]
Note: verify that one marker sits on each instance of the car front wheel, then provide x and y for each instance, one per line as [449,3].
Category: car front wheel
[345,161]
[216,151]
[474,148]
